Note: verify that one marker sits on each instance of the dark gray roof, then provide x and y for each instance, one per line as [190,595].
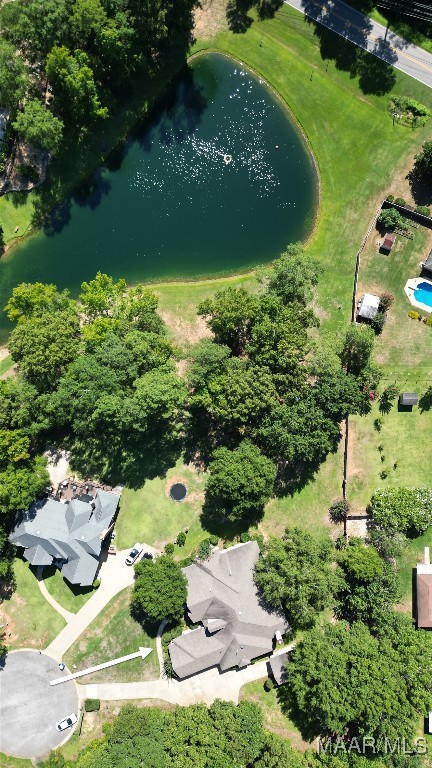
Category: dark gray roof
[408,398]
[73,532]
[277,664]
[238,625]
[427,265]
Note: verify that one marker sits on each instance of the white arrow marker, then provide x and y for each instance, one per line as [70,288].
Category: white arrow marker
[143,652]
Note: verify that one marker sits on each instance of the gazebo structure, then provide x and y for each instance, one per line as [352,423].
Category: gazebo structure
[368,306]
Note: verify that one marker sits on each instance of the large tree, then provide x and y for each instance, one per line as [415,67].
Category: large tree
[423,162]
[345,681]
[240,483]
[14,77]
[229,316]
[293,275]
[368,586]
[44,344]
[159,591]
[39,127]
[294,574]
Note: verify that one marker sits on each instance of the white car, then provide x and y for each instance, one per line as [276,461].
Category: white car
[67,722]
[134,554]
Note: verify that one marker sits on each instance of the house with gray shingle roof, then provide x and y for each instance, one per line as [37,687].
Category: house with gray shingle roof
[69,532]
[237,625]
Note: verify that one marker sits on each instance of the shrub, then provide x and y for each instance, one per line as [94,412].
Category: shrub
[244,537]
[341,543]
[390,198]
[400,201]
[390,218]
[214,540]
[269,684]
[181,539]
[428,320]
[378,424]
[92,705]
[338,510]
[204,549]
[386,300]
[408,510]
[423,209]
[377,322]
[96,583]
[413,314]
[169,549]
[383,474]
[168,669]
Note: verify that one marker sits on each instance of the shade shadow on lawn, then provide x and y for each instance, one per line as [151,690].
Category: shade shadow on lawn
[375,75]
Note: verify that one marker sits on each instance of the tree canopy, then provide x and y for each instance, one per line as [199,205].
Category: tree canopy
[294,574]
[345,681]
[159,591]
[407,510]
[240,483]
[39,127]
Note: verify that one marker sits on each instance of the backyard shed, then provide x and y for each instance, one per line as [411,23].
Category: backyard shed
[368,306]
[408,398]
[388,242]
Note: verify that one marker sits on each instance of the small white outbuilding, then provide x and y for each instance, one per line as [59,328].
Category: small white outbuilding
[368,306]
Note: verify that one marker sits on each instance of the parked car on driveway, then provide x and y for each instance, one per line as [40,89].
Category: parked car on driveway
[134,554]
[67,722]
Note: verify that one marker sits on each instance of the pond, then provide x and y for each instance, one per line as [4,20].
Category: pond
[218,180]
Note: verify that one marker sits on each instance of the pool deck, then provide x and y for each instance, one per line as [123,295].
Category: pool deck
[412,285]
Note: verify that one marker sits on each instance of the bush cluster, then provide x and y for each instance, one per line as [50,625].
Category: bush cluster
[92,705]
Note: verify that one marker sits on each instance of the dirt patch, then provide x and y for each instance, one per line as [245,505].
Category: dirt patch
[357,527]
[183,331]
[181,366]
[4,352]
[210,18]
[7,628]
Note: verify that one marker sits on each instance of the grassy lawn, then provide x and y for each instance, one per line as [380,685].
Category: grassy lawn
[308,508]
[6,364]
[30,619]
[404,350]
[114,633]
[149,515]
[14,762]
[274,719]
[72,597]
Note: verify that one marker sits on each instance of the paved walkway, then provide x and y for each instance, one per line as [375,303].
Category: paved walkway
[203,688]
[159,650]
[369,35]
[115,575]
[67,615]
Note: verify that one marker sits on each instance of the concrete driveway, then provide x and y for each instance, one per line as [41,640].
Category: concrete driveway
[30,707]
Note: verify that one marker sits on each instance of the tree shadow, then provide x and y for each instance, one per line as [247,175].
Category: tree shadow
[129,460]
[425,401]
[308,728]
[91,191]
[237,15]
[376,77]
[214,519]
[345,44]
[268,8]
[421,189]
[176,115]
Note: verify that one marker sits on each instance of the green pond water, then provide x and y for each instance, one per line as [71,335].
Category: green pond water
[216,181]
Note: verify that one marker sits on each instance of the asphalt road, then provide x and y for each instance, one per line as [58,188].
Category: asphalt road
[369,35]
[30,707]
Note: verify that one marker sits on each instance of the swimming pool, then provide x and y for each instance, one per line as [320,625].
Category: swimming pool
[423,293]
